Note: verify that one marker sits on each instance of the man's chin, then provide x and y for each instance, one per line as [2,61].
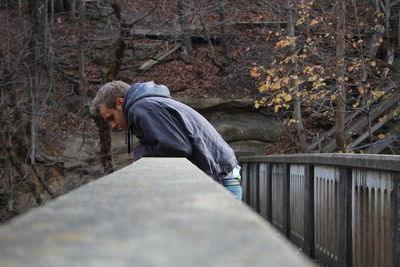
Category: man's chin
[118,129]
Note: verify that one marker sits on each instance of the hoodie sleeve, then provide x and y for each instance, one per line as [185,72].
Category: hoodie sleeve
[159,131]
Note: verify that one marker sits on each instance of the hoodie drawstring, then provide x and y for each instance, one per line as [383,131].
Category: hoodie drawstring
[128,140]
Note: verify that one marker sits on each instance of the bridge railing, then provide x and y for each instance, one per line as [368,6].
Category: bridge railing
[155,212]
[341,209]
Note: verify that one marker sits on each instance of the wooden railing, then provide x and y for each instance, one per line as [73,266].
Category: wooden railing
[155,212]
[341,209]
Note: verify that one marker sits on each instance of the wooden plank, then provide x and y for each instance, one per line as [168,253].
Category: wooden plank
[254,187]
[396,220]
[269,192]
[286,200]
[363,122]
[374,128]
[245,182]
[263,190]
[345,219]
[263,24]
[377,148]
[349,118]
[196,35]
[309,242]
[158,58]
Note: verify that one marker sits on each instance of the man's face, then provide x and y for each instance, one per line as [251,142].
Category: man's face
[114,116]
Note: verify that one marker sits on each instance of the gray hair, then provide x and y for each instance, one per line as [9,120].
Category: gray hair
[108,93]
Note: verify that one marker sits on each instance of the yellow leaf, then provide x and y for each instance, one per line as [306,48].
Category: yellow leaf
[313,78]
[275,86]
[287,98]
[299,22]
[263,87]
[381,135]
[285,80]
[270,71]
[313,22]
[277,107]
[257,105]
[333,97]
[377,94]
[361,90]
[373,63]
[383,118]
[356,104]
[286,42]
[308,70]
[254,72]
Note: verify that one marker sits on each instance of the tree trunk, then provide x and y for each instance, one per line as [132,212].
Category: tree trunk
[203,26]
[62,5]
[222,24]
[120,45]
[372,50]
[112,73]
[340,75]
[83,83]
[297,106]
[105,144]
[5,141]
[183,13]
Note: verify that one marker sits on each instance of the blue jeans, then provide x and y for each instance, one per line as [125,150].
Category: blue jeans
[236,191]
[235,188]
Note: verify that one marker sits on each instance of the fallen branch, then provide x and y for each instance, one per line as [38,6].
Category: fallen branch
[159,57]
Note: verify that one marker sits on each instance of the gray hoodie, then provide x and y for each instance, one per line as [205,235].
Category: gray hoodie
[168,128]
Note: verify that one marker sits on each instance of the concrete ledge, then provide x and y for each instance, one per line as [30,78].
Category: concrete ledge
[155,212]
[369,161]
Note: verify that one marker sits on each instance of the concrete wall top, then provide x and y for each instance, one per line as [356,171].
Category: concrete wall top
[155,212]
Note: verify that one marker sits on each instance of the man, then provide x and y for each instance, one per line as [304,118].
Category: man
[168,128]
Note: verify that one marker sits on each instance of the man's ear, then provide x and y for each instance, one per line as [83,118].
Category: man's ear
[119,102]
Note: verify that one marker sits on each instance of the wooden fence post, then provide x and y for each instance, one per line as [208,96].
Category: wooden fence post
[396,220]
[245,182]
[286,200]
[263,189]
[344,225]
[309,243]
[269,192]
[255,187]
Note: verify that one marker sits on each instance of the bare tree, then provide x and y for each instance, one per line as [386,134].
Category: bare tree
[340,75]
[291,5]
[222,25]
[182,8]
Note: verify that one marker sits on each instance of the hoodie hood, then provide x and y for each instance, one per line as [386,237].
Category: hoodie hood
[142,90]
[137,92]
